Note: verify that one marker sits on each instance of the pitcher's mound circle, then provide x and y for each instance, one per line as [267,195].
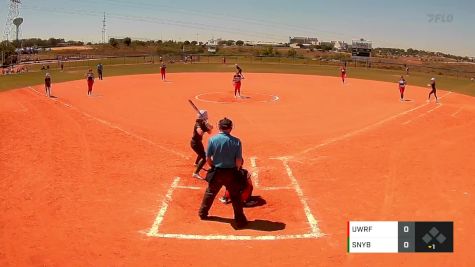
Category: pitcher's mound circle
[228,97]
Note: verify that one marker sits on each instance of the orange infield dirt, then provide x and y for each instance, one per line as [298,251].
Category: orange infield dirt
[105,180]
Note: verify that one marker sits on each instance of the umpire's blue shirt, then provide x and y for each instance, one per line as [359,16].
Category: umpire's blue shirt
[224,149]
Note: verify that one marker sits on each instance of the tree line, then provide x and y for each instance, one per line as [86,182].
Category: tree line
[414,52]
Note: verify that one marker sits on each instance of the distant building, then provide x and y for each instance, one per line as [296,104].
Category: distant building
[340,45]
[263,43]
[327,43]
[303,40]
[213,45]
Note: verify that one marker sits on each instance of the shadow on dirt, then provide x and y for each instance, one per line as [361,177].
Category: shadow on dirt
[258,225]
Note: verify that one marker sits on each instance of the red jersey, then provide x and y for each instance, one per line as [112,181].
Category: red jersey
[237,78]
[90,76]
[402,83]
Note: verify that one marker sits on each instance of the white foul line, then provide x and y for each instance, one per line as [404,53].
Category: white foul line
[161,213]
[311,219]
[457,112]
[254,171]
[109,124]
[364,129]
[422,115]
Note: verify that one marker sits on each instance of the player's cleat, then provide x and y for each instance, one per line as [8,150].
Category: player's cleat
[250,203]
[224,200]
[240,224]
[197,176]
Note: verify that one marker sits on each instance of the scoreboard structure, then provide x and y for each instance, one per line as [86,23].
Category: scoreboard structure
[399,237]
[361,49]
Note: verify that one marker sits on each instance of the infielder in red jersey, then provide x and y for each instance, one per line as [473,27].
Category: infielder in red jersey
[343,74]
[402,86]
[237,84]
[163,68]
[90,81]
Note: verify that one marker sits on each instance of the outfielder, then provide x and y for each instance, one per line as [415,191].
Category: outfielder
[163,69]
[343,73]
[433,91]
[48,84]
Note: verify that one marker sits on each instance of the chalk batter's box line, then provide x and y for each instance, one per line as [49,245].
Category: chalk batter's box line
[262,188]
[313,223]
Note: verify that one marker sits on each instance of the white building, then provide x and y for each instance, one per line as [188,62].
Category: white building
[303,40]
[213,45]
[266,43]
[340,45]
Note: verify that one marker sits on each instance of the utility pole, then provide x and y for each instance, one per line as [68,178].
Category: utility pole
[104,29]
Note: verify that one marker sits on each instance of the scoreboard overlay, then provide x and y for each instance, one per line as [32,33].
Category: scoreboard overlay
[399,236]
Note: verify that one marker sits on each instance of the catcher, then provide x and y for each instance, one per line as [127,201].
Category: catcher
[246,190]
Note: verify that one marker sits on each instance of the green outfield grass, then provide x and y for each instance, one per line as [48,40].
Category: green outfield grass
[130,66]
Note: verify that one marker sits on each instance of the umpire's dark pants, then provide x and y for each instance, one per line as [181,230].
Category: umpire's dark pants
[230,179]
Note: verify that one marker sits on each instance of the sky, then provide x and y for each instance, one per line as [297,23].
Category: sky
[436,25]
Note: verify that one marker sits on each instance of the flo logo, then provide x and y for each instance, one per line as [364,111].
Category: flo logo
[434,234]
[440,18]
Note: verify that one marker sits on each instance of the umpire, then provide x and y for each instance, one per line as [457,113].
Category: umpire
[224,155]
